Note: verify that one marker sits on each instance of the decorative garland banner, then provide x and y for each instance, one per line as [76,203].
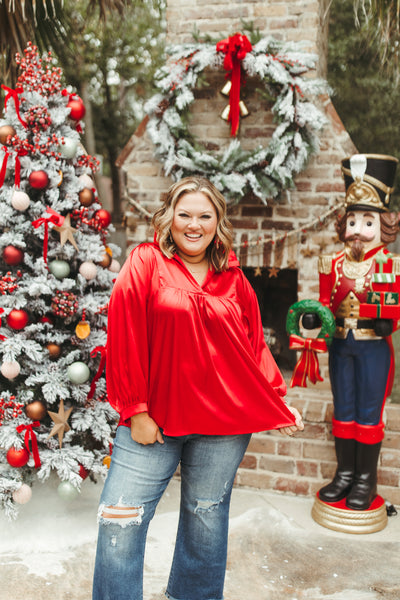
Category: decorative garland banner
[265,171]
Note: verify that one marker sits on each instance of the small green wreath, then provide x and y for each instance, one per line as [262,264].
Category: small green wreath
[265,171]
[325,315]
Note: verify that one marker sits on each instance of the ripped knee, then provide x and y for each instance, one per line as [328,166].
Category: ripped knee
[120,514]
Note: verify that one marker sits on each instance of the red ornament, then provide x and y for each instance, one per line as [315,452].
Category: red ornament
[82,472]
[38,180]
[17,319]
[78,109]
[17,458]
[12,255]
[103,217]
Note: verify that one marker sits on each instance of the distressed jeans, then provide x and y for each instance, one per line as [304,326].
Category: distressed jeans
[136,480]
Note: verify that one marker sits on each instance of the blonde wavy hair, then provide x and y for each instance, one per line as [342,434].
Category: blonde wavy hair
[218,251]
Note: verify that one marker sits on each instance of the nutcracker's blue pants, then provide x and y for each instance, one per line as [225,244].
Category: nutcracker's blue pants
[359,372]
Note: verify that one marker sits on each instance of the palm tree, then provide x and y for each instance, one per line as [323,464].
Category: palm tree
[39,21]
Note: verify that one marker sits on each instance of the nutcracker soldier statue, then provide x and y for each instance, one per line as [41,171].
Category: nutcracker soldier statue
[361,286]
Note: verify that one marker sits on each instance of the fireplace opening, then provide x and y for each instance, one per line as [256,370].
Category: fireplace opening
[276,291]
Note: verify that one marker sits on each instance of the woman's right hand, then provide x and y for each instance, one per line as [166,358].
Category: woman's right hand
[144,430]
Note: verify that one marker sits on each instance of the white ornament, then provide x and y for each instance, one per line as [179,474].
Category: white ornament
[88,270]
[20,200]
[114,266]
[86,181]
[78,372]
[23,494]
[68,148]
[10,369]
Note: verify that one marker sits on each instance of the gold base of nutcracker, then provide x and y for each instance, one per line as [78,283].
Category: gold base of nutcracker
[350,521]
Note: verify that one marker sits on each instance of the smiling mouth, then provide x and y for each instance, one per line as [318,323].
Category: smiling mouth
[193,237]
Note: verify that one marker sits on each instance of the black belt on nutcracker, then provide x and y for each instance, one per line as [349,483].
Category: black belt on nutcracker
[352,323]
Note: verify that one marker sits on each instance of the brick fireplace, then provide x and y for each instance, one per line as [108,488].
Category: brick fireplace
[278,257]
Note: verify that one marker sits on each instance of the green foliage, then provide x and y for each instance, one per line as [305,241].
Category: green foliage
[365,97]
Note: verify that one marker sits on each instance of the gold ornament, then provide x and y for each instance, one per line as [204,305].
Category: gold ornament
[6,131]
[86,197]
[106,260]
[257,272]
[243,109]
[227,88]
[107,461]
[82,330]
[35,410]
[60,422]
[66,232]
[54,350]
[225,113]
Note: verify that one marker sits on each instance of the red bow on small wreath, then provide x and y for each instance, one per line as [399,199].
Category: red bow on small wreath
[235,49]
[30,434]
[307,365]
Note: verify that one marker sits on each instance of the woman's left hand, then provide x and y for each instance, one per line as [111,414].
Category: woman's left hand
[299,426]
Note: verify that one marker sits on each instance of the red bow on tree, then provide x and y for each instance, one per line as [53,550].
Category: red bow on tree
[50,216]
[14,94]
[307,365]
[94,352]
[235,49]
[29,433]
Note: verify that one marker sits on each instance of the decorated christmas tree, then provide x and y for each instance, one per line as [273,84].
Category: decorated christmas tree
[57,271]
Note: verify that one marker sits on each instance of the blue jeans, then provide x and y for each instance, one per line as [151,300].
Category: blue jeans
[136,480]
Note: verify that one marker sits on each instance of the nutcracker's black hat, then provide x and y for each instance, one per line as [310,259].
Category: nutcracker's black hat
[369,180]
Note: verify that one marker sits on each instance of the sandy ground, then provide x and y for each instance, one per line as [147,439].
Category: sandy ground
[276,550]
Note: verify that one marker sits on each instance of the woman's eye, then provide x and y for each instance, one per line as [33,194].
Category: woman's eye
[369,223]
[183,215]
[206,216]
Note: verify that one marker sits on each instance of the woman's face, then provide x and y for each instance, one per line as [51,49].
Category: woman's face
[194,225]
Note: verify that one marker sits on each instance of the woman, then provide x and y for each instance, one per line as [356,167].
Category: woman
[191,376]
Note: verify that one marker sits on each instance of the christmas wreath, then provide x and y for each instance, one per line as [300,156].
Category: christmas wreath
[307,365]
[280,69]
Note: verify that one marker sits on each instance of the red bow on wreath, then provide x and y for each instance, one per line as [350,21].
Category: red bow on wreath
[29,433]
[235,49]
[307,365]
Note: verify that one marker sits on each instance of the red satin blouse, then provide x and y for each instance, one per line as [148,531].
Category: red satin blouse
[193,356]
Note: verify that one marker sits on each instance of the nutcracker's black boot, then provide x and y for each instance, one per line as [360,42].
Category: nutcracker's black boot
[363,490]
[341,484]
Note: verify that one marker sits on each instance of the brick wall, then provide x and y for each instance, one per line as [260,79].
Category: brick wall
[300,464]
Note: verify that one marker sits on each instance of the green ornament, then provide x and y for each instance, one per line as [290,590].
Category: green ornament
[67,491]
[78,373]
[59,268]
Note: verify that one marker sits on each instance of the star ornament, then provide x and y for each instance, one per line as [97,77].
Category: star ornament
[273,272]
[66,232]
[60,422]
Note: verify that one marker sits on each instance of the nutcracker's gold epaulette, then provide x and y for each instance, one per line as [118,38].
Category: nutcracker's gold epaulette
[325,263]
[396,264]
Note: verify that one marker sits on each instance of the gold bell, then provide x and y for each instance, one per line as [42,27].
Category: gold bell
[243,109]
[225,112]
[227,88]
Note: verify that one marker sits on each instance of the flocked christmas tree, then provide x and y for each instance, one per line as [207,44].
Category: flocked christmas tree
[57,271]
